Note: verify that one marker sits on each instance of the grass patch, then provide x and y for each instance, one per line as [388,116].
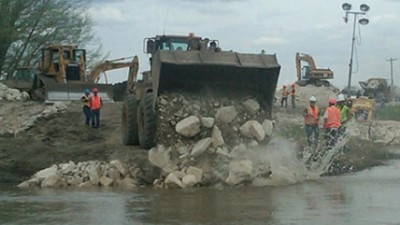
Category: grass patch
[388,112]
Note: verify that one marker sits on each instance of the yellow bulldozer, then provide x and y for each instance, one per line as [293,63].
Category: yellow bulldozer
[62,76]
[308,73]
[192,63]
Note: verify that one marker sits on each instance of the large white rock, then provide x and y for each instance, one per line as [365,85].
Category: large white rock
[239,152]
[105,181]
[226,114]
[188,127]
[13,94]
[51,181]
[201,147]
[268,126]
[25,96]
[252,129]
[42,174]
[172,181]
[161,157]
[251,106]
[126,183]
[94,173]
[60,106]
[217,138]
[207,122]
[240,172]
[3,87]
[189,180]
[119,166]
[66,168]
[197,172]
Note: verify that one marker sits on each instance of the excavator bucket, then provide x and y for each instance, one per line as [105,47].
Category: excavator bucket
[73,90]
[228,72]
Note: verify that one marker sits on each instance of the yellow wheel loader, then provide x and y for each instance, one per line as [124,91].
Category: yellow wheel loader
[191,63]
[62,76]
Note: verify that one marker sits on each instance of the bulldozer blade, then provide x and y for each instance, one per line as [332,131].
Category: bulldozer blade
[233,73]
[74,91]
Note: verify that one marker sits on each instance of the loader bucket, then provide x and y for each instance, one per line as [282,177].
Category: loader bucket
[231,73]
[73,90]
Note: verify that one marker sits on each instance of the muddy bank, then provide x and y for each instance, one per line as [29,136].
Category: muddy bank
[61,137]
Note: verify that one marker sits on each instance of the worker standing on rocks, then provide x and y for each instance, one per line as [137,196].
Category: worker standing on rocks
[311,118]
[293,95]
[344,113]
[95,105]
[86,106]
[284,96]
[331,123]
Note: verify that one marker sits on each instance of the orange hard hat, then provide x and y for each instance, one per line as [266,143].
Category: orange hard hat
[332,101]
[292,84]
[95,90]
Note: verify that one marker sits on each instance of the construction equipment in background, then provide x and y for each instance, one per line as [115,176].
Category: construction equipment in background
[362,109]
[191,63]
[119,89]
[21,79]
[62,76]
[309,73]
[376,88]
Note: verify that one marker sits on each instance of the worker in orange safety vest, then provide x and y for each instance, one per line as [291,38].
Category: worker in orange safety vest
[86,107]
[293,95]
[331,123]
[285,94]
[311,118]
[95,105]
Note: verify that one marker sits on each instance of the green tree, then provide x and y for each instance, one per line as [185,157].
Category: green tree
[28,25]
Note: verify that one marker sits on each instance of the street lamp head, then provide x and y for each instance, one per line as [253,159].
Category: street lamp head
[364,7]
[346,6]
[363,21]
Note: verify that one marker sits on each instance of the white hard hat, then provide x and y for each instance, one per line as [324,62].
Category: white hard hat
[313,99]
[340,98]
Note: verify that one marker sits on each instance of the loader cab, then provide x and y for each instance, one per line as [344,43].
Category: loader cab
[179,43]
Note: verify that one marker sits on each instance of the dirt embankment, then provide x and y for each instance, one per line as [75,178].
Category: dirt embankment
[61,137]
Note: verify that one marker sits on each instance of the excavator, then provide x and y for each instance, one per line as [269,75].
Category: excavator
[119,89]
[309,73]
[193,64]
[62,76]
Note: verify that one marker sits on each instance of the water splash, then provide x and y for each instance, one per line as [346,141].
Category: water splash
[287,166]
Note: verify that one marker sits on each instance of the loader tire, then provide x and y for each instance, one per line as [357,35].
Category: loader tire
[147,122]
[129,121]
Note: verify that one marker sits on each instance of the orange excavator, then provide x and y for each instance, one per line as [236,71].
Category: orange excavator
[308,73]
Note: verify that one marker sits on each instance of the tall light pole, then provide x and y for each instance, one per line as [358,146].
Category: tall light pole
[391,70]
[363,21]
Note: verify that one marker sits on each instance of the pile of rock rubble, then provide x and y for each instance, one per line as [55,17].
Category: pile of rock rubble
[207,140]
[11,94]
[85,174]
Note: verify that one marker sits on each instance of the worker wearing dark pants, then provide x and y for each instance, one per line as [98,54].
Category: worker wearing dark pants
[293,96]
[86,107]
[284,97]
[331,124]
[95,106]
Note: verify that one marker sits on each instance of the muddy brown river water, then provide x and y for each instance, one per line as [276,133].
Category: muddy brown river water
[367,197]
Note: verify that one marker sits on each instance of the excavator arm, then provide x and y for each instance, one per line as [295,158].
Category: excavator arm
[100,68]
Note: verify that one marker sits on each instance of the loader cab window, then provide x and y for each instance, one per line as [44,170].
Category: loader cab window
[67,54]
[174,44]
[80,54]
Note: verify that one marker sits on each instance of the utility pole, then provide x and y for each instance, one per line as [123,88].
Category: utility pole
[391,70]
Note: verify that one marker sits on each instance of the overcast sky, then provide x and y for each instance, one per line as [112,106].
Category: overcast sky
[281,27]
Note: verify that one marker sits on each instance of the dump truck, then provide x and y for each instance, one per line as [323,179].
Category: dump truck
[308,73]
[62,76]
[192,63]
